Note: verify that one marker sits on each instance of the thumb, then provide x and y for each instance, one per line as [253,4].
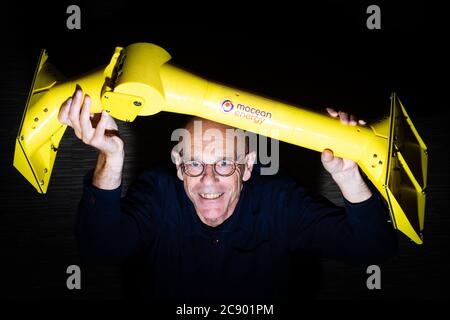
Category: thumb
[327,156]
[330,162]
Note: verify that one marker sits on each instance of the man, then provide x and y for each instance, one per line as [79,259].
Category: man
[213,228]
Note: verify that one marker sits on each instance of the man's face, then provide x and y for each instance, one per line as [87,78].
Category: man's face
[214,197]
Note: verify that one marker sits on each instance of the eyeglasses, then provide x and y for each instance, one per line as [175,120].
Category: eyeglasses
[224,167]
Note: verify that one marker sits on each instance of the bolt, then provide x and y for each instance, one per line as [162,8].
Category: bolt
[41,182]
[106,97]
[45,109]
[45,170]
[380,162]
[21,138]
[36,119]
[137,103]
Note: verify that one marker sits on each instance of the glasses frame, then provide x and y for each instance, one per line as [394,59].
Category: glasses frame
[235,166]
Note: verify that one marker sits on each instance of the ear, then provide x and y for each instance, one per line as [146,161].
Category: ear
[250,160]
[176,159]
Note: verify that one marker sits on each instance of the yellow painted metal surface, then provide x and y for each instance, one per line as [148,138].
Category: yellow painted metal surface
[140,81]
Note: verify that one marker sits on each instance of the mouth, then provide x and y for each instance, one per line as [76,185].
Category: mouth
[210,196]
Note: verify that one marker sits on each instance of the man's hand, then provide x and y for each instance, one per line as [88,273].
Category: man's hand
[345,172]
[75,112]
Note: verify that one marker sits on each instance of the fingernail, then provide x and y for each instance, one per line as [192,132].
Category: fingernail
[69,101]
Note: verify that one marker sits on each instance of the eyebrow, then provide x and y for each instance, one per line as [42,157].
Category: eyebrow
[218,159]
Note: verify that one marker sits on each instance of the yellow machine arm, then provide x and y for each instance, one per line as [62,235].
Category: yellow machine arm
[139,81]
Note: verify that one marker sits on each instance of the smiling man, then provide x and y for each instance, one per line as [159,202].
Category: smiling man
[213,162]
[213,228]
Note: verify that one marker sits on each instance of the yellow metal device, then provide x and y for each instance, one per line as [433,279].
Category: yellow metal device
[139,81]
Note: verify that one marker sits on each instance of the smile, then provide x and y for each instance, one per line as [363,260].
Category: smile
[210,196]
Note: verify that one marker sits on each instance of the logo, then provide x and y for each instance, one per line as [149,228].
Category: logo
[227,105]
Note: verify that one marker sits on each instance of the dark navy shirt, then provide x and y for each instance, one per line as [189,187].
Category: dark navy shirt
[246,257]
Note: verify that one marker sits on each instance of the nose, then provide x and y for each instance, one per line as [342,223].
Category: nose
[209,176]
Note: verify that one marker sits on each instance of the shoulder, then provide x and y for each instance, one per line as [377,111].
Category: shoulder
[279,183]
[160,175]
[156,184]
[277,191]
[158,192]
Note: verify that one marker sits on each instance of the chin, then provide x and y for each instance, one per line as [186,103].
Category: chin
[212,217]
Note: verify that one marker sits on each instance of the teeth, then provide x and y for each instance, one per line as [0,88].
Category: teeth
[210,195]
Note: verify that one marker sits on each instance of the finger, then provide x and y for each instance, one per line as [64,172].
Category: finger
[74,113]
[344,117]
[99,133]
[329,161]
[362,122]
[112,124]
[86,127]
[332,112]
[352,120]
[63,115]
[327,155]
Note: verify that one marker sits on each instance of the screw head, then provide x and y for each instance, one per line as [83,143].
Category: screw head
[137,103]
[41,182]
[36,119]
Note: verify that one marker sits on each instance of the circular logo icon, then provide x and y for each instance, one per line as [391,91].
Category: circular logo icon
[227,105]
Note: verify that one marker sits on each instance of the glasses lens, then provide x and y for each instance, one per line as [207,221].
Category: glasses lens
[193,168]
[224,167]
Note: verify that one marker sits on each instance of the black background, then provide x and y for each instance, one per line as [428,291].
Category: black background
[315,56]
